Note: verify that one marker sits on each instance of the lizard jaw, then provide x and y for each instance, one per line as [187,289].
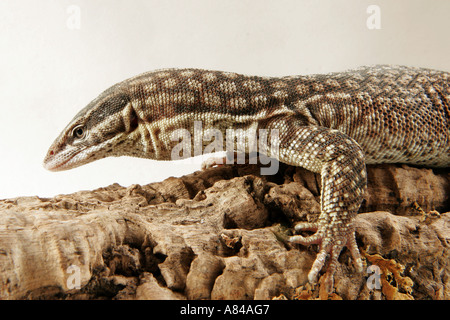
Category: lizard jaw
[59,161]
[71,158]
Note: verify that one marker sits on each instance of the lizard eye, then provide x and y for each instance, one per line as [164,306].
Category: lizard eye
[79,132]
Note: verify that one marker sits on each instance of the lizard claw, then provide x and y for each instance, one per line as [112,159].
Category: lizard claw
[329,245]
[229,158]
[212,162]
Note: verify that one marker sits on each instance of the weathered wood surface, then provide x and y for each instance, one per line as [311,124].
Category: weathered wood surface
[220,234]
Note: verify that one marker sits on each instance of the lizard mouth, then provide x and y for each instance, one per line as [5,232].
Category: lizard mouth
[72,157]
[63,160]
[53,163]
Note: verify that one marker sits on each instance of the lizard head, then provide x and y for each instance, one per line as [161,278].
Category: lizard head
[95,132]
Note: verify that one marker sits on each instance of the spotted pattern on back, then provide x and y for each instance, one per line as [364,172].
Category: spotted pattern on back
[332,124]
[396,114]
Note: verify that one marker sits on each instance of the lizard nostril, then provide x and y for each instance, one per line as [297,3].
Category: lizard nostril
[51,152]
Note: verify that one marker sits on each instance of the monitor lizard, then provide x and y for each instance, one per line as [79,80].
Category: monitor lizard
[333,124]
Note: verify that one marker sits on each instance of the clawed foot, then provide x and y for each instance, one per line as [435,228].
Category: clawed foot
[229,158]
[212,162]
[332,241]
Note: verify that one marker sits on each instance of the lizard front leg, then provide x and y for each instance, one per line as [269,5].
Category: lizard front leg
[340,161]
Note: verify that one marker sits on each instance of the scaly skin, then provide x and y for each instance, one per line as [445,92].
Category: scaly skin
[330,124]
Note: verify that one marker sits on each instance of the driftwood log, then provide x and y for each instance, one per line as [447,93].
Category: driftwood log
[221,234]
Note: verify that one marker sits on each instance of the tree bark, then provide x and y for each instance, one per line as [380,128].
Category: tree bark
[222,234]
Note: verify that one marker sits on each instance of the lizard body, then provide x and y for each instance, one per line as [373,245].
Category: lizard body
[332,124]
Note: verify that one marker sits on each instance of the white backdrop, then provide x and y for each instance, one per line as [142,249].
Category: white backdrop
[57,55]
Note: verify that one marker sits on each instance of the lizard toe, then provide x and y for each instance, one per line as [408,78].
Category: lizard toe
[306,226]
[212,162]
[331,245]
